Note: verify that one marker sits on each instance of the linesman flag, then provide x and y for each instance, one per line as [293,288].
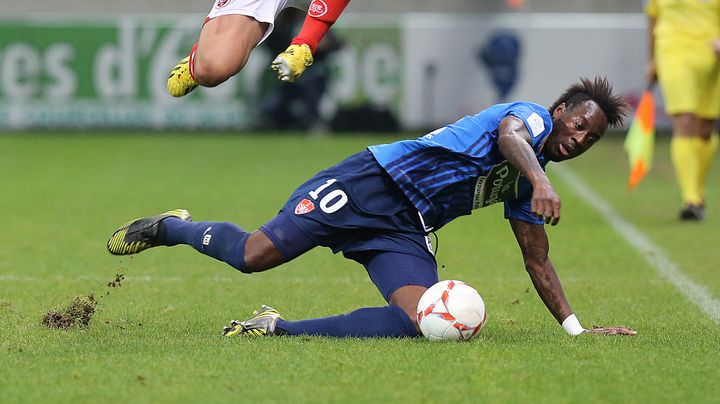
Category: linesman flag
[640,140]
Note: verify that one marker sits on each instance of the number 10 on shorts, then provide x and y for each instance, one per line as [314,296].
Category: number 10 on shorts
[333,200]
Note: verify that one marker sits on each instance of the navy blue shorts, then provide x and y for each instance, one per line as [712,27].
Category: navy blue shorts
[390,271]
[356,208]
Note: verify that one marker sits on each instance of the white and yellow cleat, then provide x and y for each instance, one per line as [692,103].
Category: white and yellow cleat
[290,64]
[261,324]
[180,82]
[140,234]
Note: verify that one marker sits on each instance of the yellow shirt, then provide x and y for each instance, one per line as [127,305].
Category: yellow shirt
[680,21]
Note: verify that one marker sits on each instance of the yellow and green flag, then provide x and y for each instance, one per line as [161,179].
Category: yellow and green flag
[640,140]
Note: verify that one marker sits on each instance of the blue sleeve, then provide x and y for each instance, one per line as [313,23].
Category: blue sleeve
[536,119]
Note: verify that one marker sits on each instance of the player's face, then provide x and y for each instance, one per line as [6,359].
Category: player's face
[575,131]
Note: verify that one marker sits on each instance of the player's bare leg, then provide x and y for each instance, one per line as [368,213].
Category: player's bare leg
[261,254]
[407,298]
[224,47]
[222,51]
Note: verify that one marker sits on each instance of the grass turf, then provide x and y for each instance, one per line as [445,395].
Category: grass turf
[156,338]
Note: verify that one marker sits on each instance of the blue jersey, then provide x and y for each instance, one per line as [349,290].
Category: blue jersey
[455,169]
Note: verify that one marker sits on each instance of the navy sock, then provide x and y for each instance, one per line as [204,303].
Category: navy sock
[221,240]
[388,321]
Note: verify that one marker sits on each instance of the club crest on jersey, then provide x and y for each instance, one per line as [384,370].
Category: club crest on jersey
[318,8]
[222,3]
[304,206]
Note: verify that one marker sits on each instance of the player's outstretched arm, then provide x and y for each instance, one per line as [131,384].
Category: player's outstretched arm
[514,142]
[534,245]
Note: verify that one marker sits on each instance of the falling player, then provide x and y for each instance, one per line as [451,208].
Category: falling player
[378,206]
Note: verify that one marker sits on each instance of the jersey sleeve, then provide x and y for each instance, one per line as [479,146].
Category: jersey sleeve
[536,119]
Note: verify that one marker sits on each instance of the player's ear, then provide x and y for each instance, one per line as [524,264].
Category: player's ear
[559,110]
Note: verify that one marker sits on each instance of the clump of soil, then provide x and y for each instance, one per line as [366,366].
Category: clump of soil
[117,282]
[78,312]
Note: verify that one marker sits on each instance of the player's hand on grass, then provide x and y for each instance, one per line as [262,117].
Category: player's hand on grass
[616,330]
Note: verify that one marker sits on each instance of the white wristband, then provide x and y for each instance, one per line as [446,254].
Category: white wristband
[572,325]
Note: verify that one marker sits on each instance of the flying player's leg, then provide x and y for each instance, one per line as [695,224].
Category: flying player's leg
[321,15]
[224,47]
[230,33]
[401,278]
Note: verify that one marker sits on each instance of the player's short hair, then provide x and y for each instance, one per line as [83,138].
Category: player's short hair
[598,90]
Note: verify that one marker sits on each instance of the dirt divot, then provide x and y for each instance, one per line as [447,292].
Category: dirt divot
[81,309]
[78,312]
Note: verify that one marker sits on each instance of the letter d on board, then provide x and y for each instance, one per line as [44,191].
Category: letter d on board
[115,72]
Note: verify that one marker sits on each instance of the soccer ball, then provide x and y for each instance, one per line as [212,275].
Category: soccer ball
[451,311]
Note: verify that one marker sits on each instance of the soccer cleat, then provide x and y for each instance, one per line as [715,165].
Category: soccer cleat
[180,82]
[140,234]
[290,64]
[692,212]
[261,324]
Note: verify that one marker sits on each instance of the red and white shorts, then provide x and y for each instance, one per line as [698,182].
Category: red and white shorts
[261,10]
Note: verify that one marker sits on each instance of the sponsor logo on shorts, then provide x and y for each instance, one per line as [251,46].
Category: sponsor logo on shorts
[304,206]
[222,3]
[428,243]
[317,8]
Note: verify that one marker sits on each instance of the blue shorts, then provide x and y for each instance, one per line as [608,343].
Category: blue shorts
[356,208]
[388,270]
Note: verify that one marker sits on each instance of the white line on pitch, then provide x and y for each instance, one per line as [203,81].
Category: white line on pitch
[654,255]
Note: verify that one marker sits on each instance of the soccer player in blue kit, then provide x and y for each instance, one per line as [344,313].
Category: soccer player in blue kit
[379,205]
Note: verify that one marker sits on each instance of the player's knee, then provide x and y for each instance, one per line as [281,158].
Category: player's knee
[685,124]
[254,262]
[210,72]
[260,254]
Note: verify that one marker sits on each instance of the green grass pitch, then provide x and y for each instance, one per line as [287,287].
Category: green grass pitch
[157,337]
